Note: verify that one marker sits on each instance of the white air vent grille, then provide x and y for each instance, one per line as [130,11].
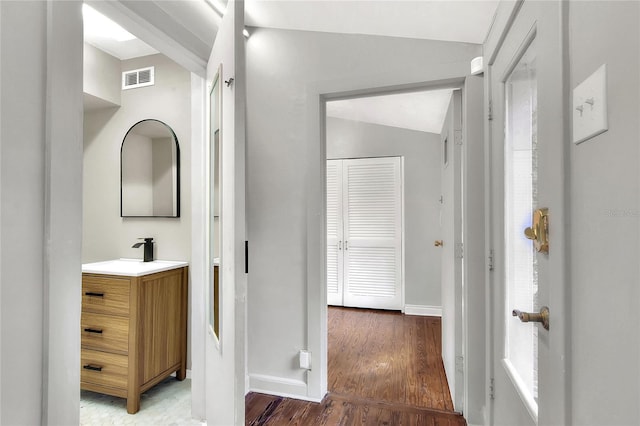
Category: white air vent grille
[138,78]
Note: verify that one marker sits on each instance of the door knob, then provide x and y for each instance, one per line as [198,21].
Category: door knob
[438,243]
[541,317]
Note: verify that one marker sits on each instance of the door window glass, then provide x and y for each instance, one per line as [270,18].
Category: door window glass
[521,272]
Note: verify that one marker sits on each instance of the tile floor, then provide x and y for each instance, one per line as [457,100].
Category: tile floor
[167,404]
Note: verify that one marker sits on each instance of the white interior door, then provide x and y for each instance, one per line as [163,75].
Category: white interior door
[224,304]
[528,361]
[335,238]
[364,233]
[452,256]
[372,233]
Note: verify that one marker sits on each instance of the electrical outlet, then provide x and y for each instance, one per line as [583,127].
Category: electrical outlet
[305,360]
[590,106]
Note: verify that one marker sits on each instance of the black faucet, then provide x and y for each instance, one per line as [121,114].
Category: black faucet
[148,248]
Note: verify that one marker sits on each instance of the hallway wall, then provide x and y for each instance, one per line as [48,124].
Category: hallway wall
[421,152]
[287,71]
[605,220]
[40,209]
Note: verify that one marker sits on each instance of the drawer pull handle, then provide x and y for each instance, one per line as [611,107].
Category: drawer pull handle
[90,293]
[93,330]
[92,367]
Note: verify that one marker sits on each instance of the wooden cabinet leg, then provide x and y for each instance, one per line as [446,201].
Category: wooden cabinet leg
[181,374]
[133,404]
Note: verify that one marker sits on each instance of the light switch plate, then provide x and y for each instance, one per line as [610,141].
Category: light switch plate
[590,106]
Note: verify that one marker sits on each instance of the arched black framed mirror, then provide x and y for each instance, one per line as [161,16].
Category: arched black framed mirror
[150,171]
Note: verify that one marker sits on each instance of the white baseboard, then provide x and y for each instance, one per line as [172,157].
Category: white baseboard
[423,310]
[278,386]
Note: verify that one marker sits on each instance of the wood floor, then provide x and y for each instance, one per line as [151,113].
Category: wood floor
[385,368]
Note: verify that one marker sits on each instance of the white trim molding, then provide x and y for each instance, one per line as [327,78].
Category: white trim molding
[278,386]
[423,310]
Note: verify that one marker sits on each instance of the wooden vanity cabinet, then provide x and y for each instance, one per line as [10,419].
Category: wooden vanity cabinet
[134,332]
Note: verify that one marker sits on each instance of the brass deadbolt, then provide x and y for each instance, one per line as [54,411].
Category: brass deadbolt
[539,230]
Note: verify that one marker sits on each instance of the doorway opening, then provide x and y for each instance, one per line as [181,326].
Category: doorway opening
[111,107]
[387,157]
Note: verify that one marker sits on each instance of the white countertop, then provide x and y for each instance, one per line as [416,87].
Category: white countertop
[131,267]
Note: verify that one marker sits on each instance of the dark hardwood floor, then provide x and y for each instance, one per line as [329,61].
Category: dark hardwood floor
[385,368]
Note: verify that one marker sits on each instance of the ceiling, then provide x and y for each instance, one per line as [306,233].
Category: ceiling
[192,25]
[122,50]
[449,20]
[163,24]
[422,111]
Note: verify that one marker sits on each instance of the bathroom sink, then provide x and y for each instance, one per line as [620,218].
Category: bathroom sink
[131,267]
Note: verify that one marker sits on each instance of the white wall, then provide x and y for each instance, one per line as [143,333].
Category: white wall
[40,211]
[21,215]
[421,152]
[106,234]
[287,71]
[604,224]
[102,75]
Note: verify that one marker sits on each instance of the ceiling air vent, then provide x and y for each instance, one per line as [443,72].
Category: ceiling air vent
[138,78]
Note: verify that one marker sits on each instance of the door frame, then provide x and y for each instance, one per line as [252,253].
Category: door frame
[199,98]
[556,21]
[317,289]
[57,387]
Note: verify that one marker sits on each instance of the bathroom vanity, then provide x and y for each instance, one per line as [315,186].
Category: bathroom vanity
[133,326]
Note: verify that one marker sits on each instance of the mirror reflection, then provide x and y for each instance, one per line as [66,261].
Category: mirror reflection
[150,171]
[215,102]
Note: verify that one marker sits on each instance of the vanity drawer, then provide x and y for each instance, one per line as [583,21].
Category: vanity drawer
[102,332]
[103,368]
[105,295]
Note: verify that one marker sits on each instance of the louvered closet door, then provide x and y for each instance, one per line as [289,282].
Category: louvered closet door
[372,247]
[334,232]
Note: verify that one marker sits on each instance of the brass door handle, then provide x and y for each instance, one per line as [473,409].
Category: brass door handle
[542,317]
[438,243]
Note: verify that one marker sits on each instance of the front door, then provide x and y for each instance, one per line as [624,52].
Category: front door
[528,367]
